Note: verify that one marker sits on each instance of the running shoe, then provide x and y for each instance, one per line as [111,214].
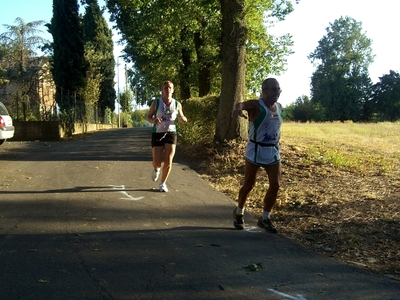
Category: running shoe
[267,225]
[238,220]
[163,187]
[155,174]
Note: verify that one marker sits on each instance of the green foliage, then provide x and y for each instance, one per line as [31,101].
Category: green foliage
[125,100]
[93,78]
[304,110]
[101,62]
[201,114]
[69,65]
[125,119]
[381,103]
[3,71]
[181,41]
[265,54]
[20,65]
[21,41]
[138,118]
[160,41]
[386,97]
[201,46]
[341,81]
[108,118]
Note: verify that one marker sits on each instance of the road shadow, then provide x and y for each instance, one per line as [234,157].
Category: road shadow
[129,144]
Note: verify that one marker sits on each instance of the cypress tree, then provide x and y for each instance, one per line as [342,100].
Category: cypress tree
[99,37]
[69,65]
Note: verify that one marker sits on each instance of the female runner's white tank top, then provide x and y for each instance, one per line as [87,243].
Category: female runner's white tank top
[168,115]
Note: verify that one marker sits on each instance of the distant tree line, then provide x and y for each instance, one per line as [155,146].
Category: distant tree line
[341,88]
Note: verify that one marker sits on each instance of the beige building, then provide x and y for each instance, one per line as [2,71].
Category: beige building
[32,98]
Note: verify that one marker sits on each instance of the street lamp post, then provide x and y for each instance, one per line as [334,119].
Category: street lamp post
[118,97]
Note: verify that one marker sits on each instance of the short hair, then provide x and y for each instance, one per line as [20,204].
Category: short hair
[167,82]
[265,82]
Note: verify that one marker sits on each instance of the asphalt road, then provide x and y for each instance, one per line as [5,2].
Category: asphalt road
[81,219]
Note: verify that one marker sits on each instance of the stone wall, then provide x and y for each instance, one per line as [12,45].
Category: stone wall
[49,130]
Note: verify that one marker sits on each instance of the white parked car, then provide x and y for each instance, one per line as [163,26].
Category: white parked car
[6,124]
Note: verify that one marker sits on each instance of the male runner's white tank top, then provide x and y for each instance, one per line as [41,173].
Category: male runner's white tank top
[266,128]
[168,115]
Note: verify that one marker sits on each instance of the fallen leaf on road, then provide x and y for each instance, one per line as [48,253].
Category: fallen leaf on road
[43,281]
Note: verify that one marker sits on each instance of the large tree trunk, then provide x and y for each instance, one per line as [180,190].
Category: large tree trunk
[233,70]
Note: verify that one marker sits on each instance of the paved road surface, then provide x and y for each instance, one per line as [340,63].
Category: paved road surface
[81,219]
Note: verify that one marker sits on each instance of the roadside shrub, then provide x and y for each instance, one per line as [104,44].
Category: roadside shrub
[202,115]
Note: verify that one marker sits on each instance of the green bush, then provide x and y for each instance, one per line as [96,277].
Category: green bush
[202,115]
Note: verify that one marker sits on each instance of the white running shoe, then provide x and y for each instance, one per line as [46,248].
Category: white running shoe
[155,174]
[163,187]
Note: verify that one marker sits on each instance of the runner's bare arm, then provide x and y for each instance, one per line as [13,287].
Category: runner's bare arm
[251,106]
[182,117]
[151,113]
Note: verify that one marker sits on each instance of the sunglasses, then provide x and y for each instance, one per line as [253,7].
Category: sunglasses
[275,90]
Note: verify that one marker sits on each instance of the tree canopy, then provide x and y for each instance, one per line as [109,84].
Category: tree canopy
[341,81]
[182,40]
[18,60]
[205,46]
[386,97]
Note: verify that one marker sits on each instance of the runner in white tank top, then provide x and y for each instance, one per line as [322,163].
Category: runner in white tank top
[163,113]
[262,150]
[264,134]
[168,115]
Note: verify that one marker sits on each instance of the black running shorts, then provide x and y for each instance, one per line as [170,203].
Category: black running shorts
[162,138]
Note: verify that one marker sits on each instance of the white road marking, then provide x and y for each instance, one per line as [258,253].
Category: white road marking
[121,189]
[253,229]
[298,297]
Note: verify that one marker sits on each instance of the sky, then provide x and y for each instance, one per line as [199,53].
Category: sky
[307,24]
[35,10]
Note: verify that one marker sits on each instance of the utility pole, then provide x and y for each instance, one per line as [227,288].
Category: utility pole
[118,98]
[126,88]
[126,79]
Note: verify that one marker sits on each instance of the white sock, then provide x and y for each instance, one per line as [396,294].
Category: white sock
[266,215]
[240,210]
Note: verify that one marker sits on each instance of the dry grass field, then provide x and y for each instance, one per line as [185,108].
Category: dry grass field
[340,189]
